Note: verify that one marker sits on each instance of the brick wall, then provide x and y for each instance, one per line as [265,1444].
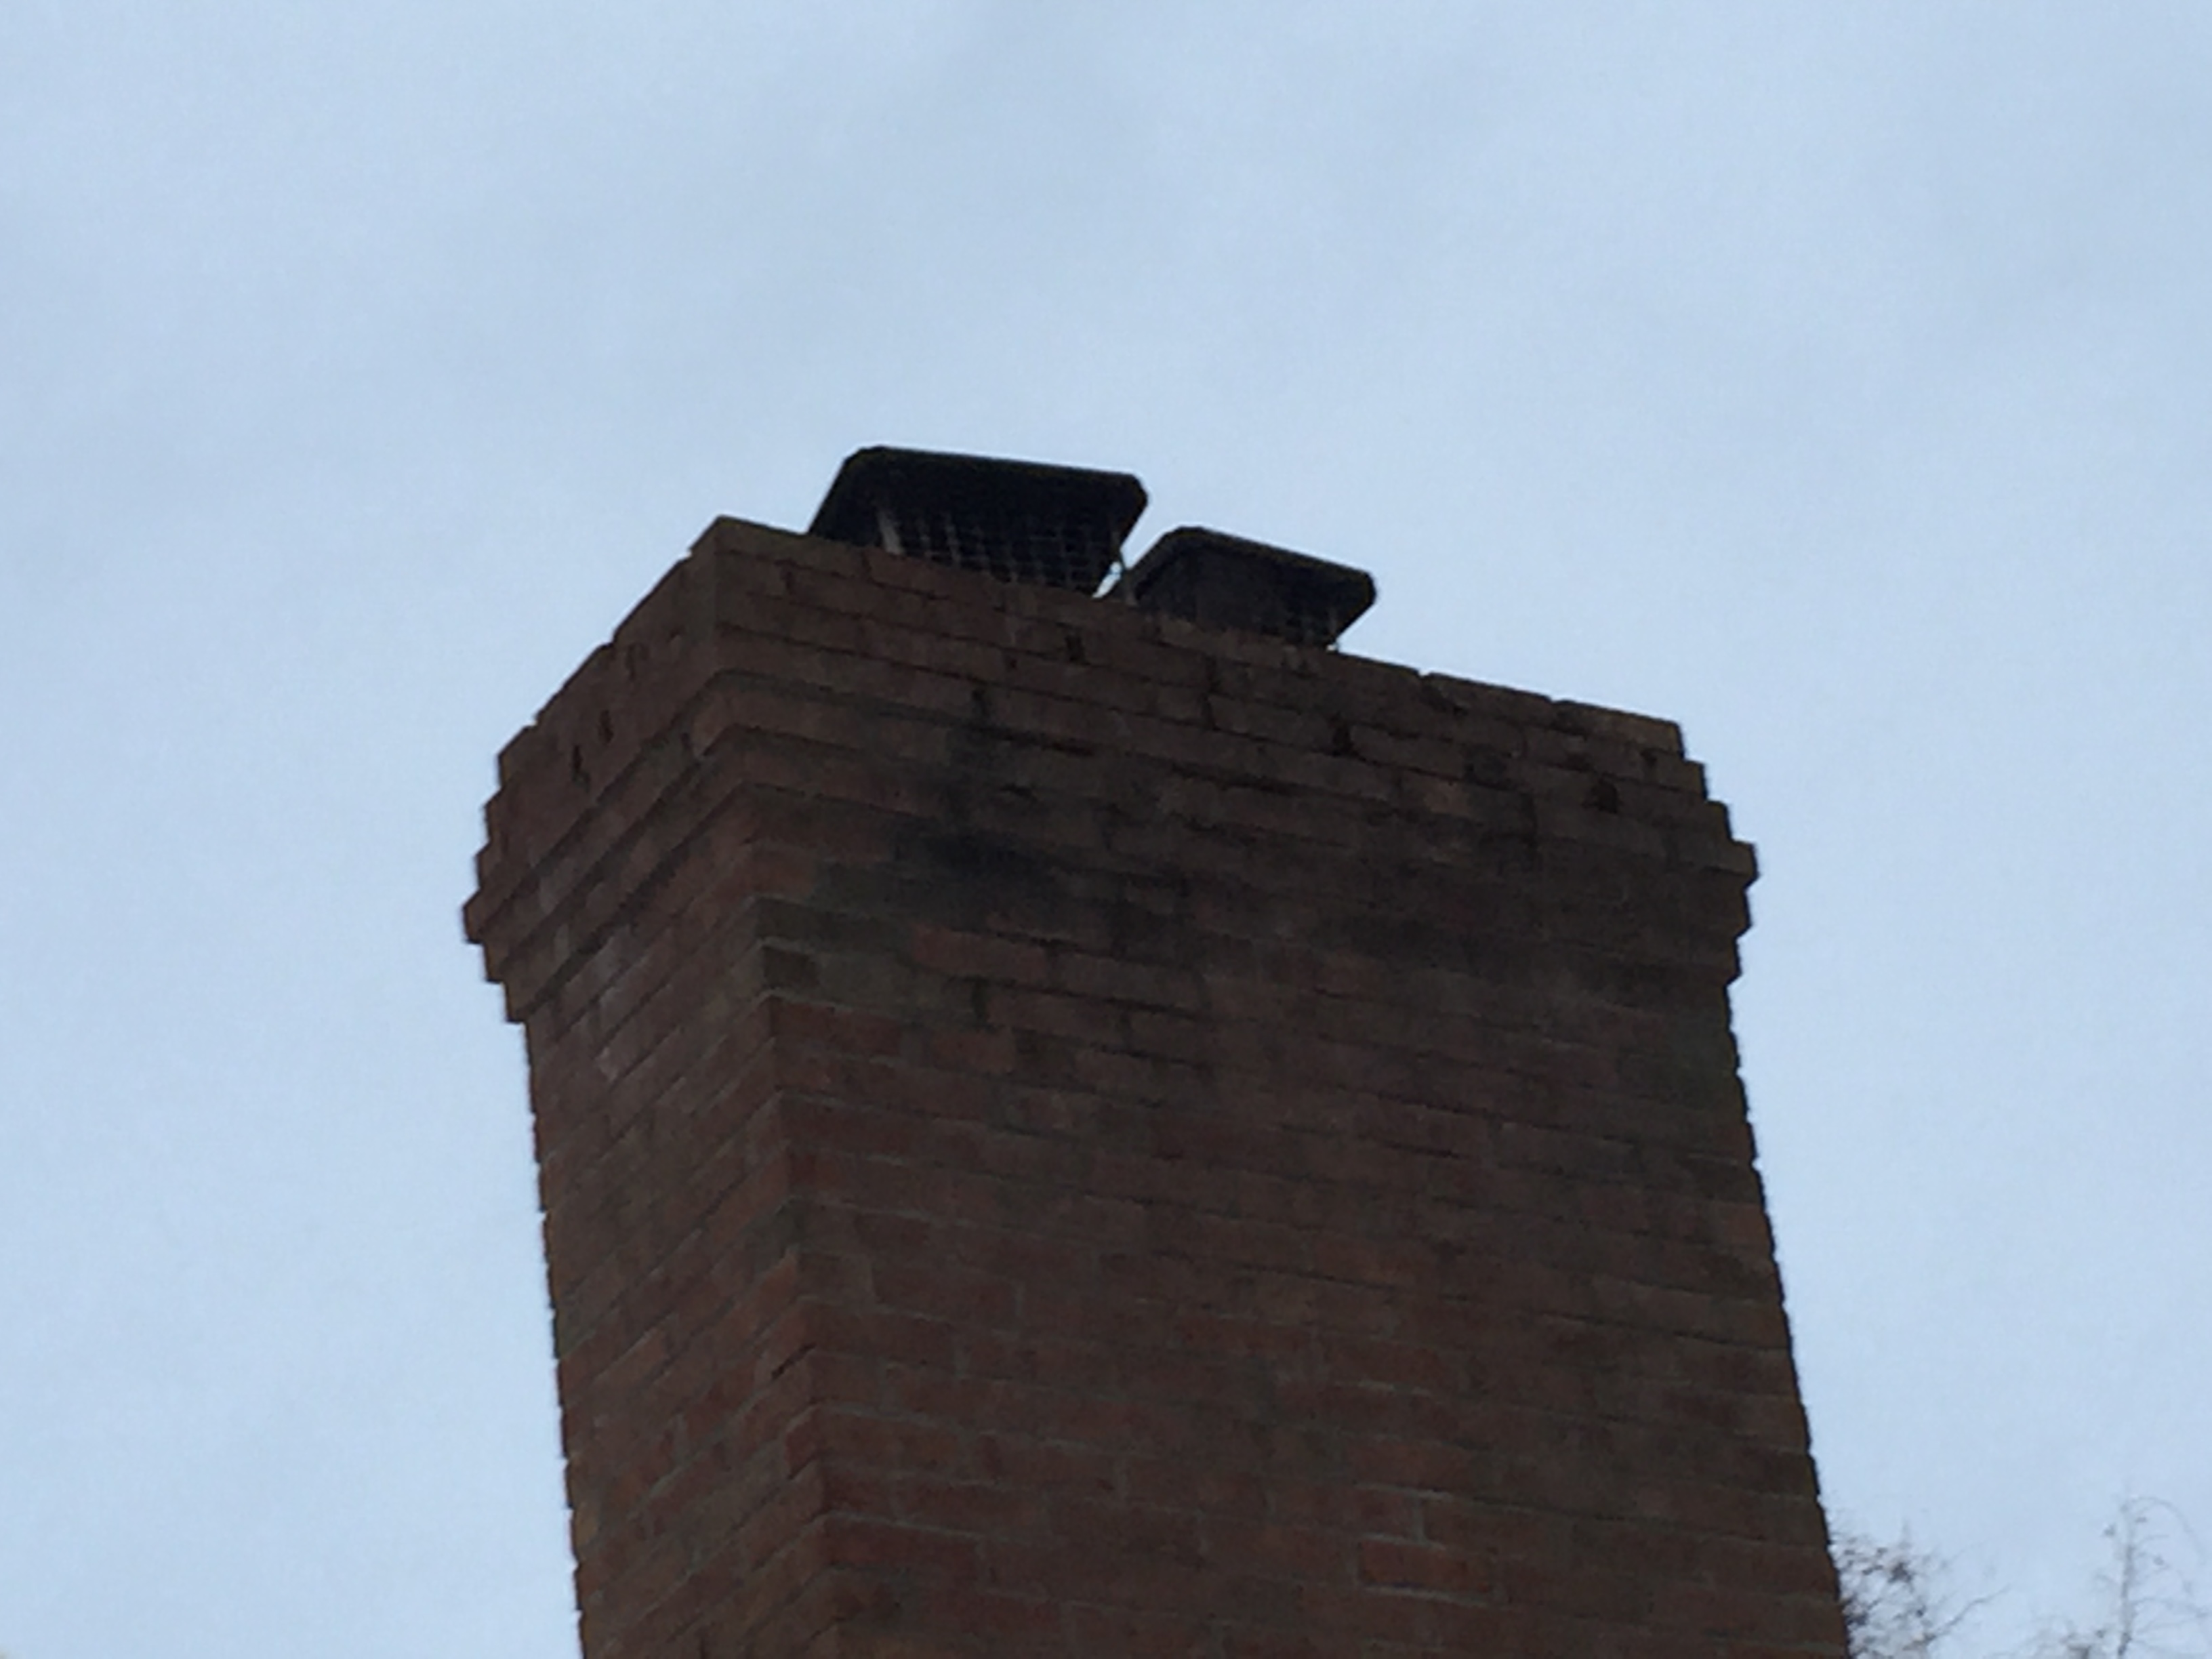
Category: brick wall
[1063,1132]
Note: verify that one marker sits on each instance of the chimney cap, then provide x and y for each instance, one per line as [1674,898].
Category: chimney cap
[1021,520]
[1220,580]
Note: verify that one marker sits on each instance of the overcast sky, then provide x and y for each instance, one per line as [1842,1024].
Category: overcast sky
[1835,379]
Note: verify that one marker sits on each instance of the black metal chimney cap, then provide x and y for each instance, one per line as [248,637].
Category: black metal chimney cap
[1020,520]
[1221,580]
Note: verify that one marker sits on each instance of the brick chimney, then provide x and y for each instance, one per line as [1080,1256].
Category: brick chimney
[1066,1129]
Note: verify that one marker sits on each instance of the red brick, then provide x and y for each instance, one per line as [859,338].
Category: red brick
[1065,1132]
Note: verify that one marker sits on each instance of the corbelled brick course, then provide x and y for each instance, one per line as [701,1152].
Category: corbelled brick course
[1065,1132]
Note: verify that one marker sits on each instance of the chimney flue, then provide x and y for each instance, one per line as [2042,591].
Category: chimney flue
[1221,580]
[1022,521]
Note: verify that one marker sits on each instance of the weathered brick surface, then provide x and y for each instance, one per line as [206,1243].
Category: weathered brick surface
[1063,1132]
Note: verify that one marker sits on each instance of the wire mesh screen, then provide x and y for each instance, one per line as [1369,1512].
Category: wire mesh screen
[1060,527]
[1015,545]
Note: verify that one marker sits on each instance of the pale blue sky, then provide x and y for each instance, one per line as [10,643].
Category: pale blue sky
[1835,379]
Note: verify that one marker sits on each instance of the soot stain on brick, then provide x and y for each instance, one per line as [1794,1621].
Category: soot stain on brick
[966,876]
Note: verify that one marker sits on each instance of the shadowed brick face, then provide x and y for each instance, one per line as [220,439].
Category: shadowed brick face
[1065,1132]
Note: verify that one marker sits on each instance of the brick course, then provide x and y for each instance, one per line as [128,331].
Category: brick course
[1062,1132]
